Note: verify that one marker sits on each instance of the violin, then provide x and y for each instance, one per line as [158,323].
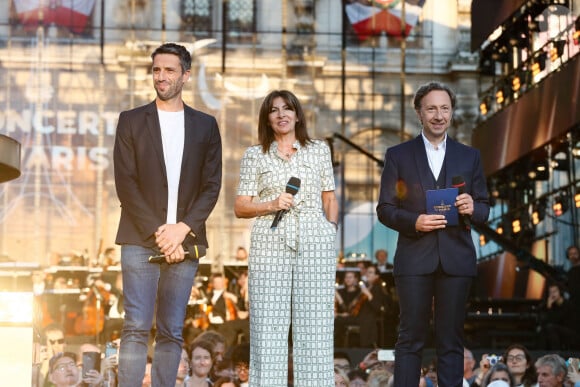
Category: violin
[231,309]
[354,307]
[202,321]
[357,304]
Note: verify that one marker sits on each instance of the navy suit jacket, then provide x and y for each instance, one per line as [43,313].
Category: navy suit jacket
[405,178]
[141,177]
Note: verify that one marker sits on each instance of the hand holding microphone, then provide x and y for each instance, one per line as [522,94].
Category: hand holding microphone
[292,188]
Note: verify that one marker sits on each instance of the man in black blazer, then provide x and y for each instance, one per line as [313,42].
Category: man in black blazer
[168,165]
[434,262]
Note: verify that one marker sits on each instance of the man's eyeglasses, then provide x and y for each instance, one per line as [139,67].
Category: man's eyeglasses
[516,358]
[59,341]
[64,366]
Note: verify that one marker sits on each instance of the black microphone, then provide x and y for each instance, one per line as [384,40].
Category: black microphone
[197,251]
[292,187]
[459,183]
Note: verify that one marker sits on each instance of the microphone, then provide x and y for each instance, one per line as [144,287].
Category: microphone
[459,183]
[195,252]
[292,187]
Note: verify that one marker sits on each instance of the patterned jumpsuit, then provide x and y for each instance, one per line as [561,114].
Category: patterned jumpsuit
[291,268]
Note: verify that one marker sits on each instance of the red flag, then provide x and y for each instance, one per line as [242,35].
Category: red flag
[73,14]
[382,16]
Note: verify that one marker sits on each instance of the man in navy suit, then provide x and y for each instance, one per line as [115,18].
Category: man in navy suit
[434,262]
[168,165]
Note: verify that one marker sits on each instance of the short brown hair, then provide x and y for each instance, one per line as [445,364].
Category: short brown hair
[425,89]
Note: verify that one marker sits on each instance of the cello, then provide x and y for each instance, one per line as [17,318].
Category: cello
[92,319]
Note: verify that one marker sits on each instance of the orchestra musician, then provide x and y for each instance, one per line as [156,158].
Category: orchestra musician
[223,313]
[239,288]
[96,301]
[353,307]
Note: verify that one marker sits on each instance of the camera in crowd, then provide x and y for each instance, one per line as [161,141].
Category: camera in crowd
[493,359]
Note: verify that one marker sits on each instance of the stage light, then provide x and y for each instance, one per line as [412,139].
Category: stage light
[482,240]
[483,108]
[560,205]
[539,64]
[516,226]
[557,49]
[540,171]
[516,83]
[539,212]
[499,229]
[577,198]
[576,150]
[499,97]
[560,162]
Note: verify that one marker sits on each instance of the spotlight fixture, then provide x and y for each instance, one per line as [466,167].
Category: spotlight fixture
[576,150]
[502,92]
[500,54]
[483,108]
[499,229]
[557,50]
[540,172]
[516,225]
[539,212]
[482,240]
[539,64]
[560,205]
[560,161]
[516,83]
[499,97]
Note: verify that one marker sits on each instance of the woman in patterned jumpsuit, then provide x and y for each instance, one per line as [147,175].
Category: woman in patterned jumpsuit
[292,266]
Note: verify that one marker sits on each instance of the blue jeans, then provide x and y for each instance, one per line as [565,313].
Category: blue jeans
[143,284]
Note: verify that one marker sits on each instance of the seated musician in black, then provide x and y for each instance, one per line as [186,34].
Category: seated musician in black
[556,315]
[223,313]
[360,305]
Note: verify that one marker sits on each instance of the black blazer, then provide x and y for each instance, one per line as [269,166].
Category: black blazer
[141,178]
[405,178]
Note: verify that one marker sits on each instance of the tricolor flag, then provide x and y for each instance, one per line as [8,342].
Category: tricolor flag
[72,14]
[371,17]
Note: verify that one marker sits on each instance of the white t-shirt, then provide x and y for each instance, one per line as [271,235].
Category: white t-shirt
[173,136]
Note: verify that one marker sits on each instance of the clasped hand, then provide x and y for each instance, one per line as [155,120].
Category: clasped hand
[169,238]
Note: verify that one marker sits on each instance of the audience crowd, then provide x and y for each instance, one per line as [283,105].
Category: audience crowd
[216,338]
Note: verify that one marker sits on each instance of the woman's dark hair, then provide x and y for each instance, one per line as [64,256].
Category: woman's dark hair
[357,373]
[265,131]
[175,49]
[498,367]
[530,377]
[425,89]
